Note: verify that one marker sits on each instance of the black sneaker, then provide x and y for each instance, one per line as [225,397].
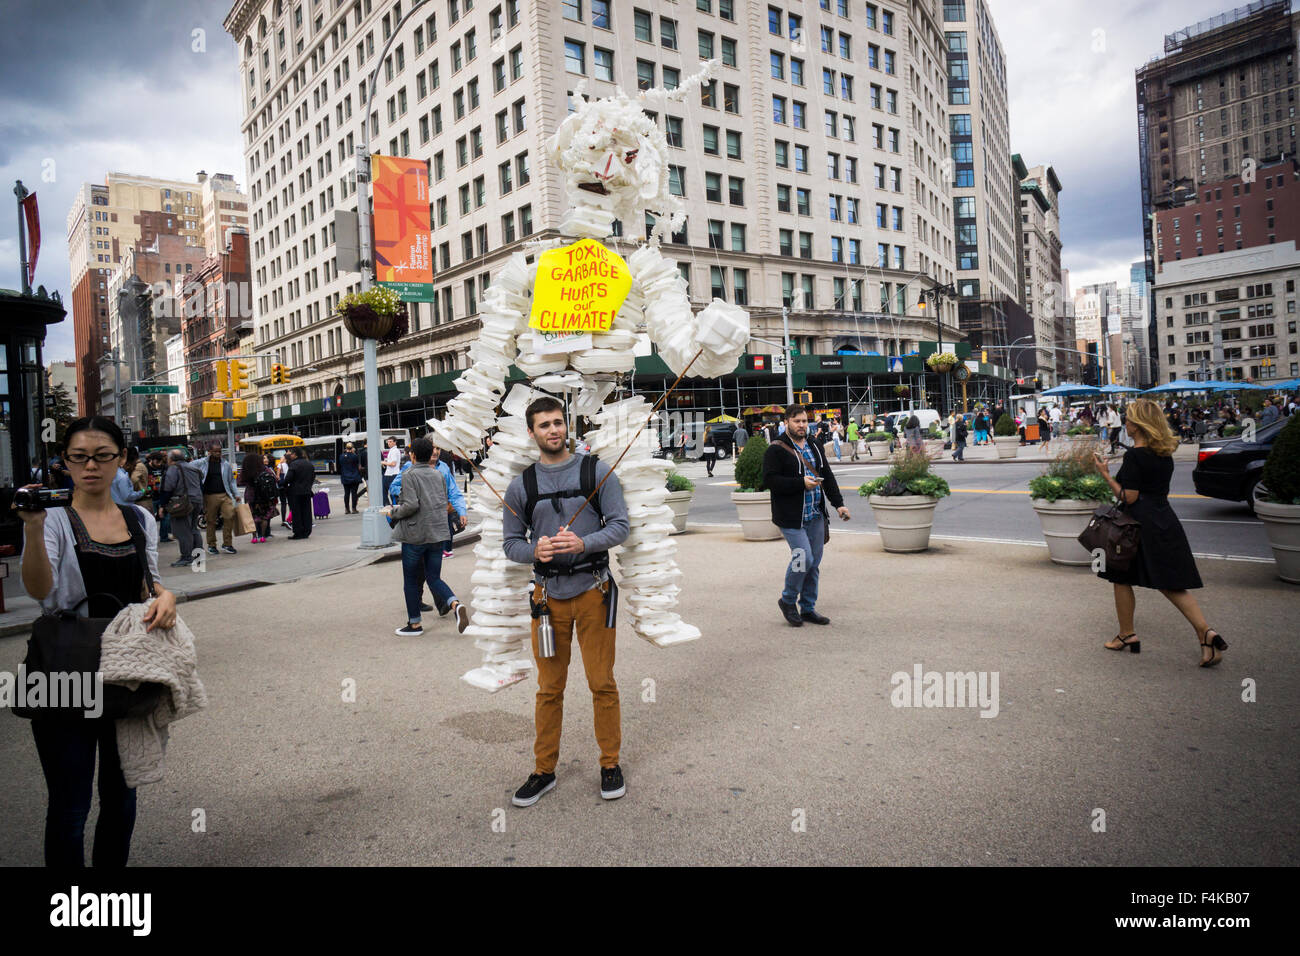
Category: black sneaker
[228,549]
[813,617]
[791,613]
[212,550]
[532,790]
[182,563]
[409,630]
[462,616]
[611,783]
[425,607]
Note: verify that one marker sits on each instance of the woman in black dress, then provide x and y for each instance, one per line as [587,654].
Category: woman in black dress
[1164,560]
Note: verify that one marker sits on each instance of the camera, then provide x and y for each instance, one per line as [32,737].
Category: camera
[38,499]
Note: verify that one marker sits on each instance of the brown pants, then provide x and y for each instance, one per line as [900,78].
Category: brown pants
[212,506]
[596,642]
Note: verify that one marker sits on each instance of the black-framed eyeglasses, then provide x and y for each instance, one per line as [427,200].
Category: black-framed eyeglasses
[103,457]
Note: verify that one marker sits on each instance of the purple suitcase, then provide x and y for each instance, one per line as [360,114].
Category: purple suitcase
[320,504]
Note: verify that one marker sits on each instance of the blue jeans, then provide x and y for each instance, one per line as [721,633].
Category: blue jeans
[805,563]
[165,526]
[421,563]
[67,752]
[388,480]
[959,453]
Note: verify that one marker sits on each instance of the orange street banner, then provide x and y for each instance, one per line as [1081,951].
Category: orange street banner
[403,256]
[579,289]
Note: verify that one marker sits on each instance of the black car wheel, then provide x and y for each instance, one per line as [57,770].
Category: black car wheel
[1250,494]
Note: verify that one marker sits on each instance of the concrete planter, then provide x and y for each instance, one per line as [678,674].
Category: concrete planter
[1007,446]
[755,510]
[1063,521]
[680,502]
[878,449]
[934,447]
[904,521]
[1282,525]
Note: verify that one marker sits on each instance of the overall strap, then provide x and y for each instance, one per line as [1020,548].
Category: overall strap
[136,529]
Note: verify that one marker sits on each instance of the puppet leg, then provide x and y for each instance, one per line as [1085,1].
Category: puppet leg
[647,559]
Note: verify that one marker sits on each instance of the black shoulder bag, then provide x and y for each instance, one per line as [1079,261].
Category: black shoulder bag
[1115,534]
[64,649]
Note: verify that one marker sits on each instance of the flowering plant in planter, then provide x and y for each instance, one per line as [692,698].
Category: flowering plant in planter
[1071,475]
[941,361]
[902,390]
[377,313]
[909,474]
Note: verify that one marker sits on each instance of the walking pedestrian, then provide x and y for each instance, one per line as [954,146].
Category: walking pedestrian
[218,482]
[350,477]
[392,465]
[138,472]
[1164,560]
[261,494]
[1044,428]
[710,449]
[569,552]
[800,480]
[181,499]
[420,515]
[853,436]
[156,464]
[913,435]
[959,433]
[299,477]
[122,489]
[739,437]
[835,439]
[84,559]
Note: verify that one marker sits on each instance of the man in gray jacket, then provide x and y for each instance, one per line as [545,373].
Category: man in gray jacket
[570,558]
[182,480]
[421,516]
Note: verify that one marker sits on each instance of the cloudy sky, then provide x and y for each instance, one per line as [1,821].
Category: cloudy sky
[150,87]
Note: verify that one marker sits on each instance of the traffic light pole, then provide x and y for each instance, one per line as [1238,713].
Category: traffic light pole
[789,358]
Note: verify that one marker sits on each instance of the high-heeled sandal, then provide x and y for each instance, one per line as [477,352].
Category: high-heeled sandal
[1134,647]
[1218,644]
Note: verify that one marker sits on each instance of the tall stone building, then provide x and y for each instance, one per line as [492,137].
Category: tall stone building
[1041,271]
[985,197]
[1219,103]
[225,209]
[813,165]
[217,310]
[103,223]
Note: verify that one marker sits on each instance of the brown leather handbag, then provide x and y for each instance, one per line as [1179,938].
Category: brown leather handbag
[1115,534]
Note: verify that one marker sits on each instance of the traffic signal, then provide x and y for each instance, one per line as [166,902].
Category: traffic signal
[238,375]
[238,409]
[223,378]
[215,409]
[803,398]
[275,373]
[984,355]
[284,375]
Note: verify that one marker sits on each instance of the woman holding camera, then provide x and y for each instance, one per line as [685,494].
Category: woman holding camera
[1164,559]
[81,558]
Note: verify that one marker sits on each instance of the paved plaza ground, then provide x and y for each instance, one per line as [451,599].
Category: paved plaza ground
[730,743]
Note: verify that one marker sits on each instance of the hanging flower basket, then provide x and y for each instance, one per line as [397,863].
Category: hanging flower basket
[378,313]
[942,362]
[902,390]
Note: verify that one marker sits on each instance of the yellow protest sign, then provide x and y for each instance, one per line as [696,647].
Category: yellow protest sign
[579,289]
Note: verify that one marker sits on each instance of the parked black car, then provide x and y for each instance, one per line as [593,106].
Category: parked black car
[1229,468]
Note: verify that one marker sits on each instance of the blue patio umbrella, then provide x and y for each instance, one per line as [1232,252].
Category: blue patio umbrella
[1066,389]
[1288,385]
[1116,389]
[1179,385]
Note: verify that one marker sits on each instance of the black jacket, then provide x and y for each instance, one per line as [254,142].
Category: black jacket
[300,478]
[783,471]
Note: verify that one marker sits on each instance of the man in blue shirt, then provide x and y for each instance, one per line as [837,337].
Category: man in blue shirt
[121,490]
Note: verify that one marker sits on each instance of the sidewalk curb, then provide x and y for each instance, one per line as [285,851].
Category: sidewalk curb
[388,553]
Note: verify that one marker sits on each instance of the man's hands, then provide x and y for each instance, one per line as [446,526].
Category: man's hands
[809,482]
[843,512]
[463,522]
[566,542]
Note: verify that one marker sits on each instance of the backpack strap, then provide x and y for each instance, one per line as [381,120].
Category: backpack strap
[588,484]
[530,492]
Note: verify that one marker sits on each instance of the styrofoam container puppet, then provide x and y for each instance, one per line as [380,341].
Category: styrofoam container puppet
[570,321]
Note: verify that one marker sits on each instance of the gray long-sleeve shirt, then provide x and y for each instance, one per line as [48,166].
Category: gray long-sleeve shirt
[521,539]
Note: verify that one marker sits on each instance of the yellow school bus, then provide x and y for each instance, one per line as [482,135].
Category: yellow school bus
[268,446]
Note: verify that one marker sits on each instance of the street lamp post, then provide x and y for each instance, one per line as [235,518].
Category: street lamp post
[375,532]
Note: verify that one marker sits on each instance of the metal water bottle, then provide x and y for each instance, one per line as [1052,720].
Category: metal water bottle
[545,631]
